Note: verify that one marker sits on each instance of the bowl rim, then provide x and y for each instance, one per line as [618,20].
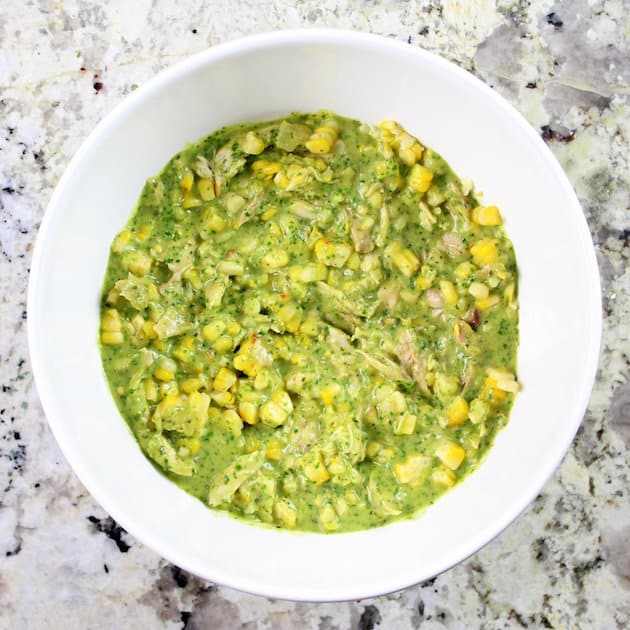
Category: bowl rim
[237,47]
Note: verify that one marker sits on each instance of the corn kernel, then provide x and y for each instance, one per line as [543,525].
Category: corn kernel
[420,178]
[504,380]
[463,270]
[233,329]
[444,477]
[411,470]
[322,140]
[144,231]
[275,259]
[285,513]
[266,169]
[329,393]
[479,410]
[450,453]
[223,399]
[488,303]
[405,425]
[487,215]
[328,518]
[212,331]
[187,181]
[224,379]
[253,143]
[214,222]
[372,449]
[191,385]
[449,292]
[162,374]
[191,201]
[205,187]
[248,412]
[121,241]
[478,290]
[150,390]
[274,450]
[231,422]
[223,344]
[111,322]
[457,412]
[484,252]
[109,338]
[139,263]
[332,254]
[273,414]
[403,258]
[315,469]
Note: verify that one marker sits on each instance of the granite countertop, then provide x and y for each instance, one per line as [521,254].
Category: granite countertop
[564,563]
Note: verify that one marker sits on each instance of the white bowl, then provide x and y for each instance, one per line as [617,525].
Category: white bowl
[364,77]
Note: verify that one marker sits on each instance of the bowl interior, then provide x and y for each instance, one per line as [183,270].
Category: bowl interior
[363,77]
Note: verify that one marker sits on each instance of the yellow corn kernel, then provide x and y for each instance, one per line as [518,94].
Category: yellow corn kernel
[310,326]
[248,412]
[315,469]
[275,411]
[261,379]
[444,477]
[223,380]
[411,470]
[478,290]
[403,258]
[450,454]
[111,322]
[449,292]
[266,169]
[504,380]
[420,178]
[121,241]
[193,277]
[139,263]
[275,259]
[484,252]
[191,201]
[457,412]
[332,254]
[322,140]
[328,518]
[224,344]
[191,385]
[285,513]
[488,303]
[162,374]
[487,215]
[491,392]
[212,331]
[407,155]
[405,425]
[372,449]
[231,422]
[109,338]
[223,399]
[233,329]
[270,212]
[144,231]
[354,262]
[205,187]
[193,445]
[463,270]
[424,282]
[150,390]
[187,181]
[214,222]
[329,393]
[253,143]
[274,450]
[479,410]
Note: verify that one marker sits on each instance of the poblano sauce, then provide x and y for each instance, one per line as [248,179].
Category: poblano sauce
[312,322]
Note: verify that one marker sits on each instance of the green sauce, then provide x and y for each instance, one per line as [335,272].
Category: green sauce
[312,323]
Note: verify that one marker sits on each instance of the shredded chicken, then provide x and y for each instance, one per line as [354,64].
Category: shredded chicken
[409,356]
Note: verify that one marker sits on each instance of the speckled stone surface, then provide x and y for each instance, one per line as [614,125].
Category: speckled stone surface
[565,563]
